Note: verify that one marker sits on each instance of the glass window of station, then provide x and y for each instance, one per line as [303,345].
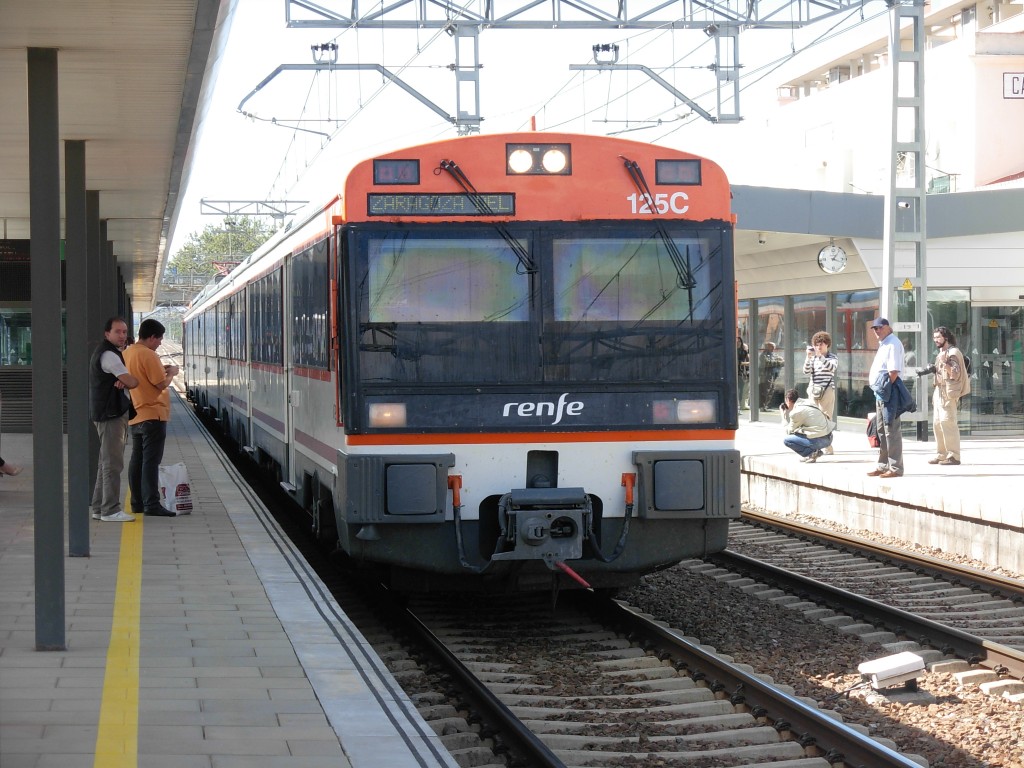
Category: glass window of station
[992,336]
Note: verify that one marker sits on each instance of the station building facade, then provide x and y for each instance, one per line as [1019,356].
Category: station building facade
[830,136]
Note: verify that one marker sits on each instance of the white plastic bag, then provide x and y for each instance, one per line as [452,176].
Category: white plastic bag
[175,489]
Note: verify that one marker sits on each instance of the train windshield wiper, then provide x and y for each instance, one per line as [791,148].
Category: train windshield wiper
[685,279]
[453,170]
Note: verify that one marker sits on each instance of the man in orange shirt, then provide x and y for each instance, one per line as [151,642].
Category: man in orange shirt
[152,404]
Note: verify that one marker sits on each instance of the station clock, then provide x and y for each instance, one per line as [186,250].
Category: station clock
[832,259]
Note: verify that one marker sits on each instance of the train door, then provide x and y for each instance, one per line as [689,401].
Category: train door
[292,396]
[242,402]
[209,399]
[267,371]
[220,388]
[186,357]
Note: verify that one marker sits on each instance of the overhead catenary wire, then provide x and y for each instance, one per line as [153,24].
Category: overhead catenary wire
[362,105]
[748,78]
[644,84]
[577,83]
[771,67]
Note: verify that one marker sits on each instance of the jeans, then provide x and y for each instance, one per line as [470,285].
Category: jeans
[106,492]
[144,468]
[805,446]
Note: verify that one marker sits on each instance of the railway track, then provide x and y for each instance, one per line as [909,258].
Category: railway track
[512,681]
[597,683]
[975,615]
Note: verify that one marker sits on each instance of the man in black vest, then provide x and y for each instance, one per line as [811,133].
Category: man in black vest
[109,408]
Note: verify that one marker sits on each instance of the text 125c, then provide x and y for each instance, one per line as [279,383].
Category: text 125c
[662,203]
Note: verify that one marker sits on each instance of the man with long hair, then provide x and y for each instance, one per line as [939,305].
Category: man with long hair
[951,383]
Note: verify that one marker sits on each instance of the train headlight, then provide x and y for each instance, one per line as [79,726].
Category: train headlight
[520,161]
[554,161]
[697,411]
[387,414]
[538,159]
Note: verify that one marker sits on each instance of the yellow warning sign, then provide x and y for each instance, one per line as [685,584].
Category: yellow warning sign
[906,285]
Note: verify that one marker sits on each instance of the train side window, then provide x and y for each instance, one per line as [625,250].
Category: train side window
[265,312]
[310,296]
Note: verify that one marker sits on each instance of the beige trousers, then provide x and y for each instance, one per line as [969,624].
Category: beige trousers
[947,431]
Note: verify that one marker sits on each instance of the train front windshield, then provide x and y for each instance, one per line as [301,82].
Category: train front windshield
[559,305]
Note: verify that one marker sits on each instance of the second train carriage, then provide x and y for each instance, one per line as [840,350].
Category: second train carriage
[494,360]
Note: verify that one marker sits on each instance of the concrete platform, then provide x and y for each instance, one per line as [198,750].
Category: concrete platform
[975,509]
[200,641]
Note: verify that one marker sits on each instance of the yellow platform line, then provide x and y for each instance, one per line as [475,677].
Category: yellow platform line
[117,739]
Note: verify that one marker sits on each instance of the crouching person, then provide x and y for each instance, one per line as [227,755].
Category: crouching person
[808,429]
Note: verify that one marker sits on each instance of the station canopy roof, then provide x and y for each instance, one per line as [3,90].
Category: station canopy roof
[132,80]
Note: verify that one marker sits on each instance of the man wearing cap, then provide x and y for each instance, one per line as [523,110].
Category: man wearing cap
[883,377]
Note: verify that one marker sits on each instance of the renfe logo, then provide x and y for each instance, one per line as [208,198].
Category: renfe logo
[559,409]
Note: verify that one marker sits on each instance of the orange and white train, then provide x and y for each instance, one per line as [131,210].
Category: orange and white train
[499,361]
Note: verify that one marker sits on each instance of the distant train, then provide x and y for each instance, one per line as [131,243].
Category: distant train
[495,362]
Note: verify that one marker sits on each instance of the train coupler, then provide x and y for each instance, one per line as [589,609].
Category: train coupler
[548,524]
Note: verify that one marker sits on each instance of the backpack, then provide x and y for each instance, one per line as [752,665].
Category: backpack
[967,365]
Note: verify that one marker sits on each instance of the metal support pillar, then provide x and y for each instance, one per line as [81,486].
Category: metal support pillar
[754,347]
[108,304]
[79,421]
[904,298]
[789,342]
[94,309]
[727,41]
[467,77]
[110,266]
[122,294]
[47,397]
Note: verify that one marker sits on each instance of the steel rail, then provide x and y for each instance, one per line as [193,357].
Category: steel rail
[808,725]
[518,738]
[811,725]
[925,631]
[994,583]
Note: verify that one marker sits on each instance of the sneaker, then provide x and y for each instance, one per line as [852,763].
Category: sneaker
[950,462]
[827,451]
[118,517]
[97,516]
[935,460]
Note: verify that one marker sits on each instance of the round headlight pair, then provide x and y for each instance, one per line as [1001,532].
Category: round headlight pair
[552,161]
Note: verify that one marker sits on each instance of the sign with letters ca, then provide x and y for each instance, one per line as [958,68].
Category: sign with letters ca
[1013,85]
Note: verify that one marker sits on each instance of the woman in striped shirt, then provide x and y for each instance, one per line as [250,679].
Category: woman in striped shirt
[821,365]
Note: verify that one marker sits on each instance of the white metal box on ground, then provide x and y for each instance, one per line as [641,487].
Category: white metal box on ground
[891,670]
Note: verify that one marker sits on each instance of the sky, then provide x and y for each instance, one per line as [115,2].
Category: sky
[525,74]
